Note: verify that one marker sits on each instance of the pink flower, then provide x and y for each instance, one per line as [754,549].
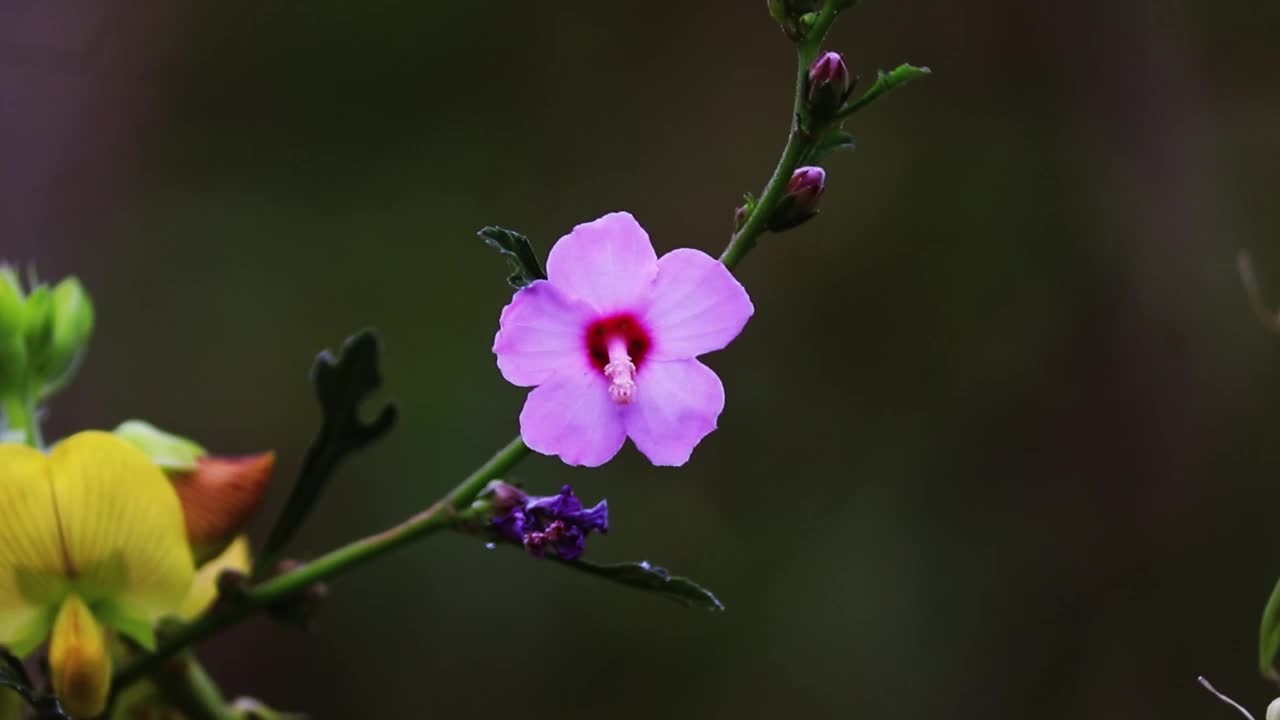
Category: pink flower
[609,343]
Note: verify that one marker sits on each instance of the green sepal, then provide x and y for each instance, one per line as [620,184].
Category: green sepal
[136,629]
[651,578]
[525,268]
[171,452]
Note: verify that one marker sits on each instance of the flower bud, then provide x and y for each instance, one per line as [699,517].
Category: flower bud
[218,494]
[71,323]
[790,14]
[829,86]
[1273,710]
[13,352]
[79,660]
[800,204]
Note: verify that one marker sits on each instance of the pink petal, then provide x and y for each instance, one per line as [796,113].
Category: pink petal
[676,405]
[540,332]
[609,263]
[697,307]
[572,416]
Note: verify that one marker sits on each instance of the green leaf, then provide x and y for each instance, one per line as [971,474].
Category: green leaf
[833,141]
[651,578]
[14,676]
[886,81]
[1269,636]
[525,267]
[342,383]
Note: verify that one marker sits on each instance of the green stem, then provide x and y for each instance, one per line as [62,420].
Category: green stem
[446,512]
[188,687]
[21,414]
[798,144]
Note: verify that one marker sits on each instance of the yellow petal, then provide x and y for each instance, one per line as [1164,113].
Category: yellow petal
[79,661]
[204,590]
[32,577]
[122,528]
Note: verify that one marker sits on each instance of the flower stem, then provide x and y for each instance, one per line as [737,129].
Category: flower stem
[21,414]
[798,145]
[187,686]
[448,511]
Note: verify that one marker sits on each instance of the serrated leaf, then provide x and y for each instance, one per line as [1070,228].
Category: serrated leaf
[1269,635]
[14,676]
[342,383]
[651,578]
[525,267]
[886,81]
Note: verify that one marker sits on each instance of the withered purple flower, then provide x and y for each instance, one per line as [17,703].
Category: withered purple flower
[556,522]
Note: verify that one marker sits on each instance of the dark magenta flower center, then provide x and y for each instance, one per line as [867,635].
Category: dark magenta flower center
[623,327]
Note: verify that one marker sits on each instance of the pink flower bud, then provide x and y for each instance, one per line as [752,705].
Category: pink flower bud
[800,203]
[829,86]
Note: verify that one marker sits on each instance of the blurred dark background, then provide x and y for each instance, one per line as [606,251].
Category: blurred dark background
[1001,441]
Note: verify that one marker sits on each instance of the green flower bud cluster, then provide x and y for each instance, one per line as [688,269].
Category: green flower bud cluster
[43,334]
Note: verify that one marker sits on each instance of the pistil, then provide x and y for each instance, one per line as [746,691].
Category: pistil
[621,372]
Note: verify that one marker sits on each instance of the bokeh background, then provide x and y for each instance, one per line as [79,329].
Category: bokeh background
[1000,441]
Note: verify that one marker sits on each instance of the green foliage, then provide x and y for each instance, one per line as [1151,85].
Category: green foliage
[886,81]
[525,267]
[832,141]
[342,383]
[651,578]
[14,677]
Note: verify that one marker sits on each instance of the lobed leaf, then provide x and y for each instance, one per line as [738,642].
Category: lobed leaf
[342,383]
[525,268]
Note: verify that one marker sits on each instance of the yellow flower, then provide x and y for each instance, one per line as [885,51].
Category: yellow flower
[93,540]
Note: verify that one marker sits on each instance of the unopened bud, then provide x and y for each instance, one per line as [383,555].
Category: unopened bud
[829,86]
[13,352]
[218,494]
[790,14]
[70,325]
[79,659]
[43,334]
[800,203]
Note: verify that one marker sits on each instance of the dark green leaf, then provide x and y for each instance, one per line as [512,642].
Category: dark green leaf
[14,676]
[1269,636]
[525,267]
[342,383]
[831,142]
[644,576]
